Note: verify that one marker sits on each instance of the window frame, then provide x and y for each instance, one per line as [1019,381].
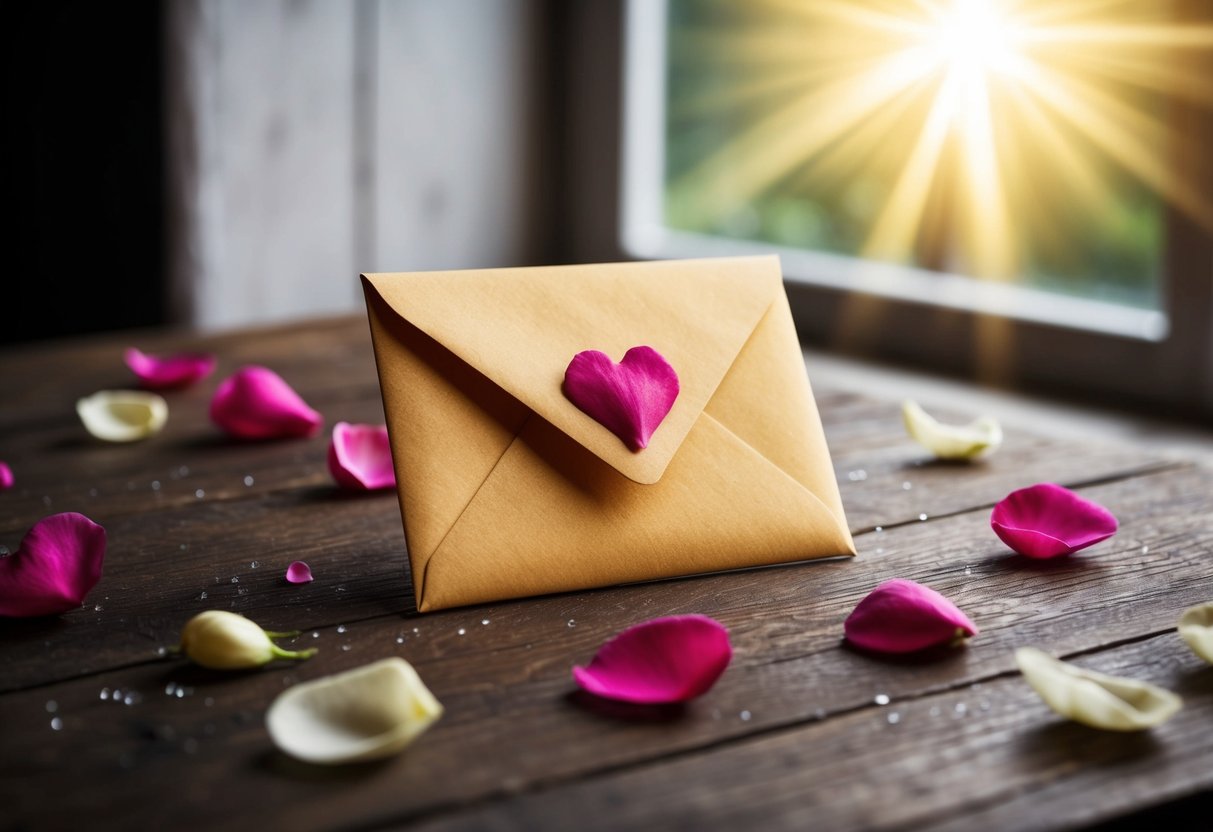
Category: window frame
[998,334]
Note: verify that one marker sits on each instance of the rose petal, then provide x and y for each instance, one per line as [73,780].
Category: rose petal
[360,457]
[630,399]
[670,659]
[978,438]
[6,476]
[1112,703]
[56,565]
[1046,520]
[901,616]
[163,373]
[255,403]
[122,415]
[367,713]
[1196,628]
[299,573]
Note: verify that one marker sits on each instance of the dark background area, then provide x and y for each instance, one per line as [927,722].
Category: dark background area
[83,168]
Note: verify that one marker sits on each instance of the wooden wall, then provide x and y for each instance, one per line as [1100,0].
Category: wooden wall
[313,140]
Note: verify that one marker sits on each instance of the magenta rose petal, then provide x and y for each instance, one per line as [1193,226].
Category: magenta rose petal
[360,457]
[664,660]
[630,399]
[164,373]
[56,565]
[901,616]
[6,476]
[299,573]
[1047,521]
[255,403]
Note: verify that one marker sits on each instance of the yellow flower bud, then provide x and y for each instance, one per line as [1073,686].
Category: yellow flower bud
[225,641]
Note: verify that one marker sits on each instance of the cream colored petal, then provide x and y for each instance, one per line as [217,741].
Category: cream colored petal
[363,714]
[1196,627]
[978,438]
[123,415]
[1112,703]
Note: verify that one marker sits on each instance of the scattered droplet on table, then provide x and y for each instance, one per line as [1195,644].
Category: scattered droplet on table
[105,694]
[745,716]
[880,528]
[202,597]
[235,579]
[345,648]
[1145,549]
[400,639]
[51,706]
[881,699]
[97,608]
[315,634]
[894,718]
[968,570]
[484,622]
[935,710]
[56,724]
[200,493]
[572,623]
[248,480]
[155,485]
[961,709]
[906,486]
[922,517]
[341,628]
[254,564]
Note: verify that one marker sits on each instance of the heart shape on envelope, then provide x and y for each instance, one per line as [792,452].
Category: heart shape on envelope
[630,399]
[508,491]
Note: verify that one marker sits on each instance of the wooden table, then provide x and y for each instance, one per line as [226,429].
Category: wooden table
[791,737]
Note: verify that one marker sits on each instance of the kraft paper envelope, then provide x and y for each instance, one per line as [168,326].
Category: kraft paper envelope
[508,490]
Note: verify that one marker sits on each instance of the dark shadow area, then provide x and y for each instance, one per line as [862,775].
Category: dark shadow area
[626,711]
[280,764]
[929,463]
[1184,813]
[1065,743]
[1048,566]
[942,654]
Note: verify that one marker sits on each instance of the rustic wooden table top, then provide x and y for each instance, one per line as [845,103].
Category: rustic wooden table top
[791,737]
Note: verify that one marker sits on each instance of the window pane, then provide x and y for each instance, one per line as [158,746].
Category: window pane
[1023,142]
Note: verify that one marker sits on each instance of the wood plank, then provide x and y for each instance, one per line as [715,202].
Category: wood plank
[506,684]
[1004,762]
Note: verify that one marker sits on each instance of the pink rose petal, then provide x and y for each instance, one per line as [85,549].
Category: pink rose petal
[1046,521]
[56,565]
[6,476]
[670,659]
[901,616]
[630,399]
[299,573]
[360,457]
[255,403]
[158,373]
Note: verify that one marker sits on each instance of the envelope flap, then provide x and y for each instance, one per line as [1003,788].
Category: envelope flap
[521,327]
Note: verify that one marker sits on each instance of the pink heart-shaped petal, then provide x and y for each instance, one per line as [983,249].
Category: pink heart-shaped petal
[255,403]
[630,399]
[56,565]
[670,659]
[157,373]
[6,476]
[360,457]
[1047,521]
[901,616]
[299,573]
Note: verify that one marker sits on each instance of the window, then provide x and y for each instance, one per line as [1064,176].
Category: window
[1017,188]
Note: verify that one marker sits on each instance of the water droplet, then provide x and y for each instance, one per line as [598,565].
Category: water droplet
[183,692]
[235,580]
[202,597]
[857,476]
[961,709]
[254,564]
[97,608]
[248,480]
[880,528]
[984,704]
[968,570]
[745,716]
[315,634]
[907,485]
[170,688]
[484,622]
[161,652]
[922,517]
[416,631]
[183,471]
[51,706]
[935,710]
[183,546]
[879,550]
[242,590]
[894,718]
[3,551]
[400,639]
[345,648]
[155,485]
[572,623]
[1145,549]
[105,694]
[819,713]
[56,724]
[200,493]
[132,698]
[341,628]
[881,699]
[462,631]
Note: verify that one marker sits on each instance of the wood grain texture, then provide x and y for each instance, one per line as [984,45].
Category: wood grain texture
[518,747]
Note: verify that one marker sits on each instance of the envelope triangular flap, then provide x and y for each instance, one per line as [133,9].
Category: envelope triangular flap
[521,327]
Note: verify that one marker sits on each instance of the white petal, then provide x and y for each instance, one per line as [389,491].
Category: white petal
[979,437]
[1095,699]
[363,714]
[123,415]
[1196,627]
